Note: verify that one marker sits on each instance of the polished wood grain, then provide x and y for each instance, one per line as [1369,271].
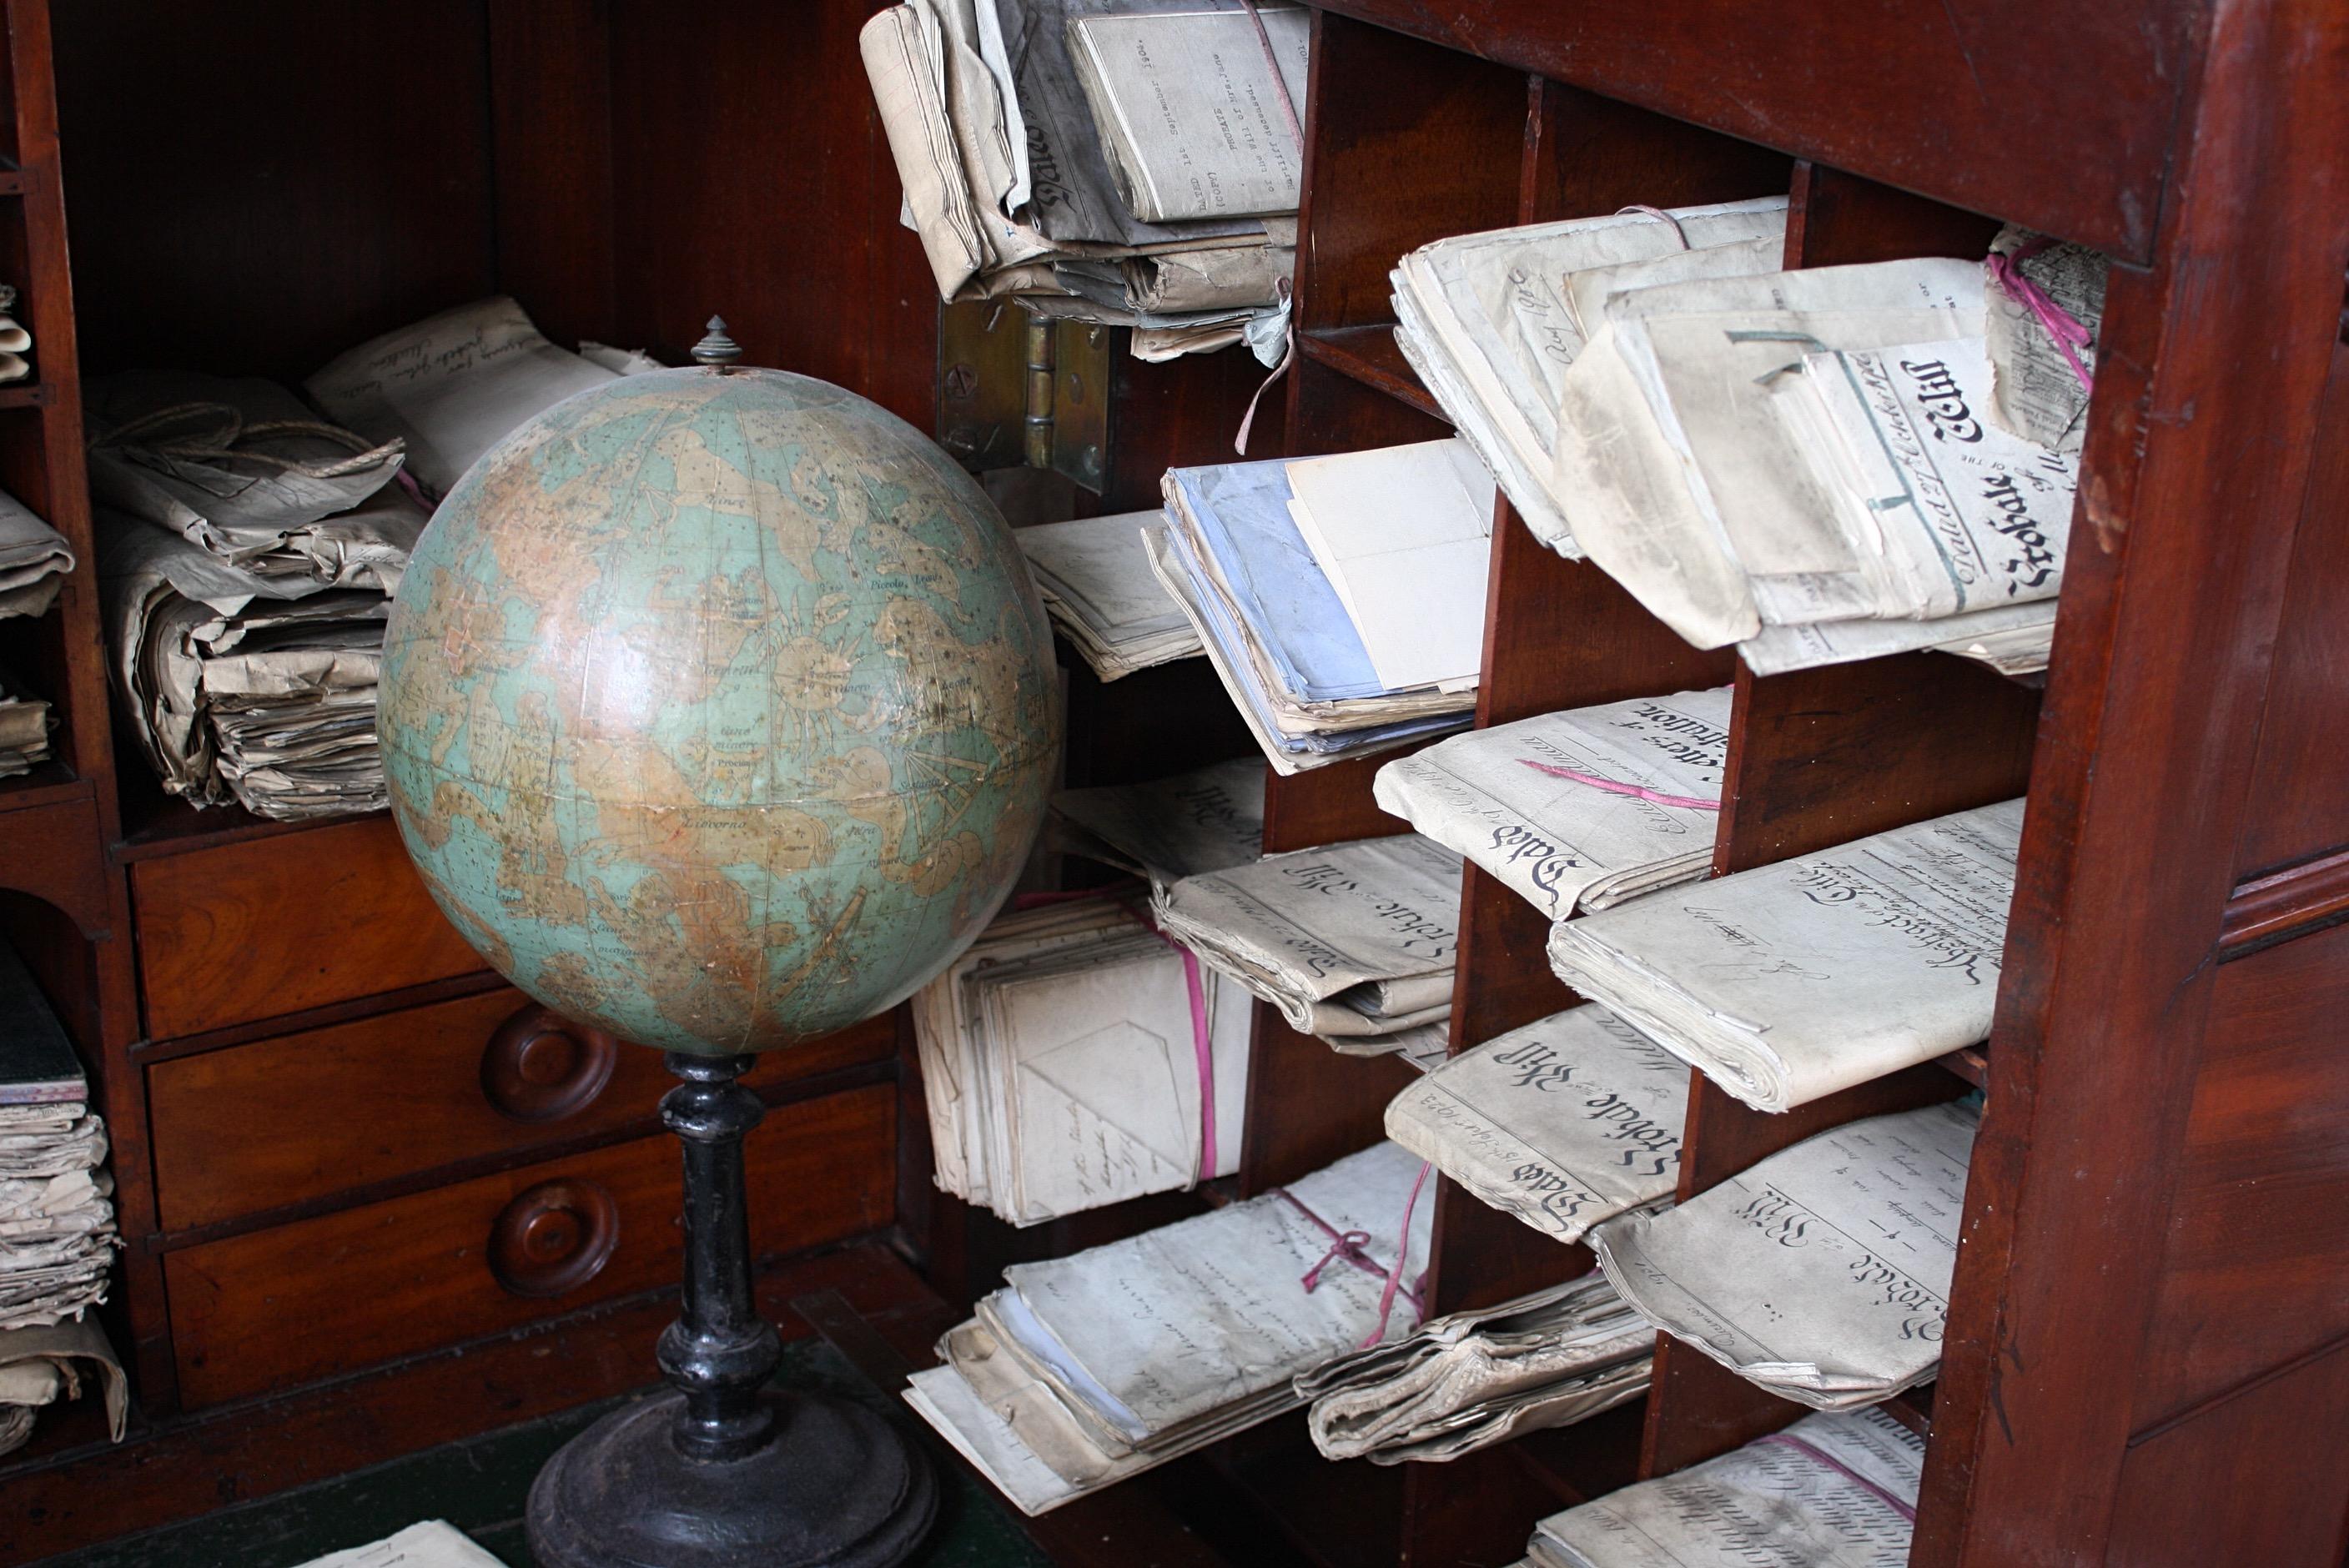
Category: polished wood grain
[393,1096]
[346,1289]
[1308,1104]
[214,944]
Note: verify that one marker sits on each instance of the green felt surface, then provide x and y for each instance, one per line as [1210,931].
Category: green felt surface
[478,1485]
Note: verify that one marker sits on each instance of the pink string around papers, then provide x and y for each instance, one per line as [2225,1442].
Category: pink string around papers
[1202,1047]
[1346,1247]
[1661,216]
[1812,1450]
[2006,271]
[1636,792]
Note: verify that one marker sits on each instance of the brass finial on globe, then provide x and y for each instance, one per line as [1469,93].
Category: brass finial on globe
[719,712]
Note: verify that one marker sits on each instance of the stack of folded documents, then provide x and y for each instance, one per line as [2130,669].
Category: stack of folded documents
[2044,304]
[1130,165]
[1479,1377]
[1348,941]
[1580,809]
[1340,599]
[1829,1492]
[15,341]
[1566,1121]
[1097,585]
[1803,463]
[248,551]
[33,560]
[453,386]
[24,724]
[56,1217]
[1085,1370]
[1491,321]
[1822,1274]
[1788,982]
[1207,820]
[40,1367]
[1073,1058]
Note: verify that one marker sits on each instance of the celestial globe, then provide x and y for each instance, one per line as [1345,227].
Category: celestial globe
[718,708]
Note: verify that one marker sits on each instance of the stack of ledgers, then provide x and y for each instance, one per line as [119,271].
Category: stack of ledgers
[1340,599]
[1353,943]
[1820,1275]
[1817,466]
[1829,1492]
[1097,585]
[33,560]
[1126,165]
[1474,1378]
[1579,809]
[56,1216]
[1082,1371]
[1073,1058]
[1208,819]
[249,550]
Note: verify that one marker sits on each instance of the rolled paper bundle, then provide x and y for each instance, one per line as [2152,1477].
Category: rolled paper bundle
[14,339]
[12,367]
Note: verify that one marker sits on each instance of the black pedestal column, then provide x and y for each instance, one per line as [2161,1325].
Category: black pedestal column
[719,1472]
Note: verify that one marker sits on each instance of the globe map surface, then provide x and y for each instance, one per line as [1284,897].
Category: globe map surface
[718,708]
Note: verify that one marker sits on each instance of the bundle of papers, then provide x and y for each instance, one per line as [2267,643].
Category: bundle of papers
[433,1544]
[1474,1378]
[453,386]
[1340,600]
[1087,1370]
[1062,1060]
[1097,585]
[1207,820]
[24,725]
[57,1222]
[1821,1274]
[1829,1492]
[1172,211]
[1492,320]
[1566,1121]
[48,1366]
[1802,463]
[2039,386]
[1423,1047]
[15,341]
[1352,939]
[1580,809]
[33,560]
[1794,980]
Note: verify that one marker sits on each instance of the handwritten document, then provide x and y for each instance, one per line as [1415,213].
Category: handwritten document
[1795,980]
[1565,1122]
[1577,810]
[1822,1274]
[1096,584]
[1208,819]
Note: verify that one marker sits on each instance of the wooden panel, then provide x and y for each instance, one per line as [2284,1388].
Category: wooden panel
[2260,1223]
[1327,805]
[750,178]
[404,1092]
[2257,1479]
[256,930]
[550,106]
[258,187]
[1310,1105]
[1407,144]
[1180,414]
[1587,156]
[1836,218]
[2300,790]
[1981,106]
[282,1306]
[1331,410]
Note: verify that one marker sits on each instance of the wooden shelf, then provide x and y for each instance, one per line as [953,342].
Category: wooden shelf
[45,784]
[1371,355]
[29,394]
[157,824]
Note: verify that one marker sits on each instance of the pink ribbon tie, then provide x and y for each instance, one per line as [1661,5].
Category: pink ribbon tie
[1636,792]
[2067,332]
[1346,1247]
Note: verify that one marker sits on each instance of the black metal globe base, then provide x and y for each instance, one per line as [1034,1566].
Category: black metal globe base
[718,1472]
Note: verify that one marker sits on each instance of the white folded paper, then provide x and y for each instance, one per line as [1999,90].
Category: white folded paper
[1577,810]
[1822,1274]
[1168,828]
[1794,980]
[33,560]
[1829,1492]
[1096,584]
[433,1544]
[1565,1122]
[1348,939]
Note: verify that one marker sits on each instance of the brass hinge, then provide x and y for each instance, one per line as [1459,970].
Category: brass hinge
[1016,388]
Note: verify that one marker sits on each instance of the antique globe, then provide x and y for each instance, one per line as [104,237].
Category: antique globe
[717,711]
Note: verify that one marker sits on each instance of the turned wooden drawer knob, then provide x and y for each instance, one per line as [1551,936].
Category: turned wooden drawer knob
[553,1237]
[540,1067]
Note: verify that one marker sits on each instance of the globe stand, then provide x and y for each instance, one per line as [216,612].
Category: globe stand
[719,1472]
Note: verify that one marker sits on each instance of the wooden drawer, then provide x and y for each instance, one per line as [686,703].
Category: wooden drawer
[282,1306]
[256,929]
[408,1091]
